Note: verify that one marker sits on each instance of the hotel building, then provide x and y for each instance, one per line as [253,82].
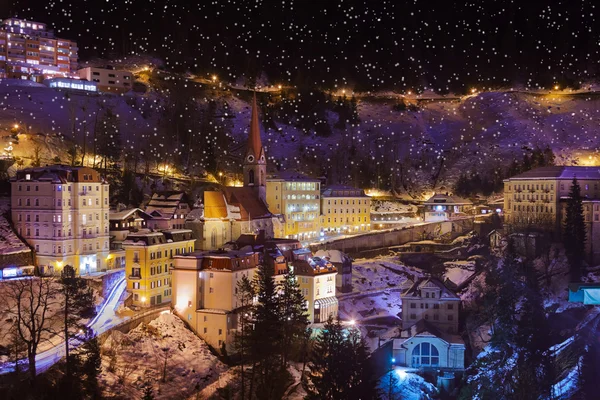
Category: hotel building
[108,79]
[149,261]
[345,210]
[62,212]
[298,199]
[205,291]
[29,50]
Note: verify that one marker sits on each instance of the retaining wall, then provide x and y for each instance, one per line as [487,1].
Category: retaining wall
[380,242]
[124,327]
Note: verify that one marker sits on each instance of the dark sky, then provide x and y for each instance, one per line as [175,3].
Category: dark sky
[370,44]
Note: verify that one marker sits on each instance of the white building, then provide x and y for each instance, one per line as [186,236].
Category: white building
[108,79]
[62,212]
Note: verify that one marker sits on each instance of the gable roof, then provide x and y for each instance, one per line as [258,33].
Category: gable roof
[165,203]
[214,205]
[251,206]
[424,328]
[441,198]
[121,215]
[429,283]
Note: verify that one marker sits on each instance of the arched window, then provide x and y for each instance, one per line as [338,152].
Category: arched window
[425,354]
[251,176]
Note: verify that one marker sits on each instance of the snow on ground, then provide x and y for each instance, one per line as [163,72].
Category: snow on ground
[133,359]
[381,273]
[385,206]
[9,241]
[406,386]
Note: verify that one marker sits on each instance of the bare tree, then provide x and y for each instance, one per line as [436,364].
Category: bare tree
[29,302]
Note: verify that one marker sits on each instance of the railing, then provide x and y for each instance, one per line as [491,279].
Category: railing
[136,276]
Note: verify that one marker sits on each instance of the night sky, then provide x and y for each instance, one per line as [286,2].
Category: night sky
[368,44]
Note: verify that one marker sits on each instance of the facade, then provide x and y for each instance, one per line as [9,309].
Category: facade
[62,213]
[428,299]
[149,261]
[31,51]
[168,210]
[316,277]
[123,222]
[108,79]
[72,84]
[345,210]
[298,199]
[536,200]
[424,347]
[343,264]
[205,292]
[445,207]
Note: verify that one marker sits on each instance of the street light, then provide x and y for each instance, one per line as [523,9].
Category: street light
[214,78]
[556,87]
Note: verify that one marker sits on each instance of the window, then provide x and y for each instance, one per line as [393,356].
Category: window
[205,330]
[450,306]
[413,305]
[425,354]
[220,331]
[211,290]
[450,317]
[136,285]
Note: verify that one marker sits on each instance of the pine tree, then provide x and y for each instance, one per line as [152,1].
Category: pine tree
[78,302]
[574,235]
[90,366]
[361,384]
[266,334]
[148,392]
[243,337]
[294,317]
[325,377]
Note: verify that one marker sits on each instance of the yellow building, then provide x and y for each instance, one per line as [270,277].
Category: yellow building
[62,213]
[205,292]
[297,198]
[345,209]
[316,278]
[149,260]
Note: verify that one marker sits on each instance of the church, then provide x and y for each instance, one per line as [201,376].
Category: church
[224,214]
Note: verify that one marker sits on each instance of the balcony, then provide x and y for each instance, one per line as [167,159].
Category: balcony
[136,277]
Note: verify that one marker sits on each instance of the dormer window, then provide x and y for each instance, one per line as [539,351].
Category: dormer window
[27,177]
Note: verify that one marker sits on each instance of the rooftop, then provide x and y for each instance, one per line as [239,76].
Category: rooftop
[58,174]
[292,176]
[343,191]
[559,172]
[429,283]
[441,198]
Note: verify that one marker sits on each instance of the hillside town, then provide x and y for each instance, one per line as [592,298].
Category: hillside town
[168,235]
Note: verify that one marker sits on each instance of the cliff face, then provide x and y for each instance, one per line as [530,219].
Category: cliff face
[374,141]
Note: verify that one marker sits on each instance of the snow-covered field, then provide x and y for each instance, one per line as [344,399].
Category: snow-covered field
[132,360]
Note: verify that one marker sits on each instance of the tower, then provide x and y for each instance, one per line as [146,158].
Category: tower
[255,163]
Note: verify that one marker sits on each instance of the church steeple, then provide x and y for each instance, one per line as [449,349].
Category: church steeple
[255,163]
[254,147]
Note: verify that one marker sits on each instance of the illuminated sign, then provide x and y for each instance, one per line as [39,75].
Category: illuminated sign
[74,85]
[9,272]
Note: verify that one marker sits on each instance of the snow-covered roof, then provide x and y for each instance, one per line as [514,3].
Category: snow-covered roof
[441,198]
[424,328]
[559,172]
[429,283]
[335,256]
[343,191]
[292,176]
[121,215]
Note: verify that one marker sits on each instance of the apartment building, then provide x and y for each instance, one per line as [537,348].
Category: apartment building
[107,78]
[445,207]
[428,299]
[536,200]
[298,198]
[345,209]
[316,278]
[29,50]
[62,213]
[205,291]
[149,261]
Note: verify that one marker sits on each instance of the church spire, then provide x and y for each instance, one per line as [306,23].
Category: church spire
[254,143]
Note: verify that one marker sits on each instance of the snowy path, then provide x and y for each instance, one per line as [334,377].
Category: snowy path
[103,321]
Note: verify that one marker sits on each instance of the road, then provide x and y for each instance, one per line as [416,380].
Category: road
[105,319]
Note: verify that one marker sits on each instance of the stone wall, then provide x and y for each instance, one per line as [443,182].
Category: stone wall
[105,283]
[134,322]
[359,245]
[16,259]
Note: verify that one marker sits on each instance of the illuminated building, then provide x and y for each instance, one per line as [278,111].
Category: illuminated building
[537,199]
[317,279]
[108,79]
[345,209]
[149,260]
[62,212]
[445,207]
[205,292]
[168,210]
[298,198]
[29,50]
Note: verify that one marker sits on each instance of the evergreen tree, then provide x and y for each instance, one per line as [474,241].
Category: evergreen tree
[339,367]
[78,302]
[243,337]
[266,334]
[90,366]
[148,392]
[325,377]
[294,317]
[574,235]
